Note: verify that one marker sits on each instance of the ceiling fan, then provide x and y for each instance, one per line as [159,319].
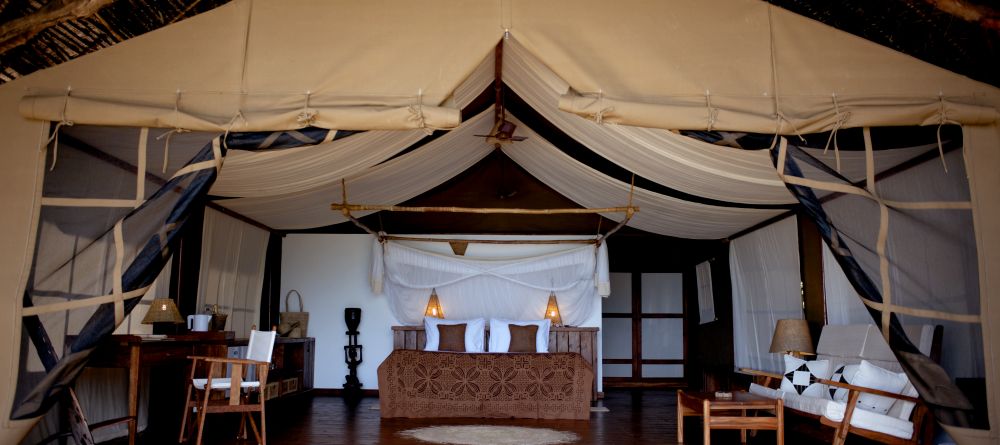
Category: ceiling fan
[503,130]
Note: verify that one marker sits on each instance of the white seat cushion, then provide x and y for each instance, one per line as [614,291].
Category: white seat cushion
[765,391]
[880,422]
[819,406]
[835,411]
[222,383]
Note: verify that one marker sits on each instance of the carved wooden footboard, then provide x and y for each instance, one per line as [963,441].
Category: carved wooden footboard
[499,385]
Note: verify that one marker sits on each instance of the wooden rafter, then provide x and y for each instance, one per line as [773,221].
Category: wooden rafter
[346,208]
[17,32]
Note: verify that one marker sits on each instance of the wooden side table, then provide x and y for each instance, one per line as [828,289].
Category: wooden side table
[721,414]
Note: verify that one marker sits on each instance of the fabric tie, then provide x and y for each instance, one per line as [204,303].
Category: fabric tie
[166,144]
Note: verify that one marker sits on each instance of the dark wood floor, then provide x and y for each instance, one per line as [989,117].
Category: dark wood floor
[635,417]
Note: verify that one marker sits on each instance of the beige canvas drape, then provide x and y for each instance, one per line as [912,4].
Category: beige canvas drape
[738,65]
[232,270]
[273,64]
[982,158]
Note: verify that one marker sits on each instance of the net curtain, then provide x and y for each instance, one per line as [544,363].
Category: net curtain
[906,244]
[510,288]
[765,277]
[128,229]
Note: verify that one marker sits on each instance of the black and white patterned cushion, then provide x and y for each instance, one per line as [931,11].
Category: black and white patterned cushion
[802,377]
[843,374]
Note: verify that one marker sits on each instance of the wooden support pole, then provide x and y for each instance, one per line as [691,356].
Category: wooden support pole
[489,241]
[390,208]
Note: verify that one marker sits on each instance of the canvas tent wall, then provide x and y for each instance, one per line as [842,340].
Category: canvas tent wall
[271,65]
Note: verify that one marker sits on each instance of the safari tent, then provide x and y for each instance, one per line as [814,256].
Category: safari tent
[274,110]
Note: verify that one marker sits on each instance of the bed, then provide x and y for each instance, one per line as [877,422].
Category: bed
[557,385]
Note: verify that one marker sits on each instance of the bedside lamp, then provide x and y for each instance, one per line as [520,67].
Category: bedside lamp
[552,310]
[792,337]
[434,306]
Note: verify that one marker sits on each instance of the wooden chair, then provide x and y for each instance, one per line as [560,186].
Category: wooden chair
[258,355]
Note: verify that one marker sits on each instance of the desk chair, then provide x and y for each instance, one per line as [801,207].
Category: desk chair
[258,355]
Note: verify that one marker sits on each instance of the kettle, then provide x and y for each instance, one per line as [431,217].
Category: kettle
[199,322]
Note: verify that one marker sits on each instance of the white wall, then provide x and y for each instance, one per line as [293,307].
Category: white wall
[331,271]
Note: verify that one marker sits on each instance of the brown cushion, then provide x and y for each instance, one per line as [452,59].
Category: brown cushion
[452,337]
[522,338]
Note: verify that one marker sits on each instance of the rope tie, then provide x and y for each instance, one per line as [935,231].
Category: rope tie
[842,119]
[169,134]
[713,113]
[308,116]
[54,139]
[780,119]
[942,120]
[599,115]
[232,122]
[417,113]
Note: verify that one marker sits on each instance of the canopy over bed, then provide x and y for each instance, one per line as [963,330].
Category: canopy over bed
[615,78]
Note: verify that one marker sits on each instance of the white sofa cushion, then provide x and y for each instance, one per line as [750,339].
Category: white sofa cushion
[765,391]
[820,406]
[901,409]
[801,376]
[835,411]
[871,376]
[879,422]
[842,374]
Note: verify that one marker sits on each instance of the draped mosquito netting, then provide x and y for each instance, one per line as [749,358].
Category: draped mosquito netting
[899,223]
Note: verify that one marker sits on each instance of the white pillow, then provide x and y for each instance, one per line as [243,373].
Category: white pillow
[474,333]
[801,377]
[901,409]
[842,374]
[500,334]
[871,376]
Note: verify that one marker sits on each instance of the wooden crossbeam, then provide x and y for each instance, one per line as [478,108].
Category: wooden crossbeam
[347,208]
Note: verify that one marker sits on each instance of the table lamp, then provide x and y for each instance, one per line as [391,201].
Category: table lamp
[162,311]
[792,337]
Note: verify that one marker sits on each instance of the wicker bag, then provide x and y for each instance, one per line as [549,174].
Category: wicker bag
[293,324]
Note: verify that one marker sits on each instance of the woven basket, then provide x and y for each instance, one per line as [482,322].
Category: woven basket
[294,324]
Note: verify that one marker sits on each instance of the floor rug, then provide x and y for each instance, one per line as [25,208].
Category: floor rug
[489,435]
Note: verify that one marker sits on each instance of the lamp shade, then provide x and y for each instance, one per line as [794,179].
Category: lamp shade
[434,306]
[792,336]
[162,310]
[552,311]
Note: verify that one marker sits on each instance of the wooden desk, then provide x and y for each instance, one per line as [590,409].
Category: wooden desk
[720,414]
[135,352]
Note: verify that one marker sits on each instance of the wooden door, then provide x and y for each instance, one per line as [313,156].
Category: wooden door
[644,330]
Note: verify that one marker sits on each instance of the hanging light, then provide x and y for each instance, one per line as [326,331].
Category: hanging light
[552,310]
[434,306]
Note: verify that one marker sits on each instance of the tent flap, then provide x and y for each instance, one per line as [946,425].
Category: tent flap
[259,114]
[798,115]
